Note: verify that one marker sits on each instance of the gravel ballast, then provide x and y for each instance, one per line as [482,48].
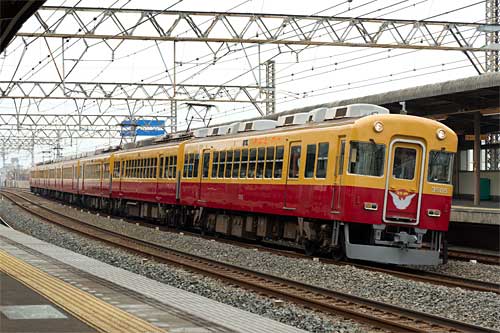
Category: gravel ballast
[469,306]
[195,283]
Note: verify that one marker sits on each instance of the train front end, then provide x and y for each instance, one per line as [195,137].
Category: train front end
[400,181]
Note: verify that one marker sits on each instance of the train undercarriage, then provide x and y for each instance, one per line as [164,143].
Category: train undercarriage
[339,240]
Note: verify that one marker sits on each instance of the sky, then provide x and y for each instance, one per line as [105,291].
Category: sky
[304,75]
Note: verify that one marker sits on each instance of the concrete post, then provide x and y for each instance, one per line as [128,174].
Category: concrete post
[477,157]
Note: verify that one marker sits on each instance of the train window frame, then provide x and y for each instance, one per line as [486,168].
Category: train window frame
[384,166]
[196,165]
[278,160]
[236,163]
[244,151]
[320,159]
[269,161]
[311,155]
[450,167]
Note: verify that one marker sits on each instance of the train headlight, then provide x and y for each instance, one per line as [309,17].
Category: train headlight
[441,134]
[378,126]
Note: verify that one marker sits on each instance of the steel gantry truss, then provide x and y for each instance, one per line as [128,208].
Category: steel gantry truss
[131,24]
[216,30]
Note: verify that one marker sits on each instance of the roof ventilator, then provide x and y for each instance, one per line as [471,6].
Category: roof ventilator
[257,125]
[293,119]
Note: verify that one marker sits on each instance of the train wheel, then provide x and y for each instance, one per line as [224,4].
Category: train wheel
[310,247]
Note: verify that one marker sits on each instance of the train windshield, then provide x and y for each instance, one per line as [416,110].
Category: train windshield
[367,158]
[440,165]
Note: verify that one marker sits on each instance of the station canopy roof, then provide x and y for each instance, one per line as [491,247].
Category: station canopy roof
[13,14]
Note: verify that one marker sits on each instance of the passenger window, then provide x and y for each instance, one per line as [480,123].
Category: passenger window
[293,167]
[206,163]
[185,170]
[168,167]
[269,162]
[190,165]
[175,167]
[222,163]
[341,159]
[322,162]
[278,165]
[366,158]
[404,163]
[229,163]
[244,163]
[310,158]
[196,165]
[236,163]
[162,161]
[252,163]
[260,162]
[215,164]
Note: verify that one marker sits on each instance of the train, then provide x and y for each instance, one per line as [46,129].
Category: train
[351,181]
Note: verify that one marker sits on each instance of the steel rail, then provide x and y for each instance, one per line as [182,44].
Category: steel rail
[480,257]
[378,314]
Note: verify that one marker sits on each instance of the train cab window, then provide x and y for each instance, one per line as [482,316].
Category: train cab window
[206,164]
[294,165]
[260,162]
[229,163]
[366,158]
[322,162]
[269,162]
[236,163]
[440,167]
[244,163]
[278,164]
[310,159]
[222,163]
[404,163]
[252,163]
[196,165]
[215,164]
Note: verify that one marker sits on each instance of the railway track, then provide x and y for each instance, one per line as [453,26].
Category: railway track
[479,257]
[380,315]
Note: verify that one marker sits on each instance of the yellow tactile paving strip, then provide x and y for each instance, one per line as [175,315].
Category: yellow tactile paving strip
[96,313]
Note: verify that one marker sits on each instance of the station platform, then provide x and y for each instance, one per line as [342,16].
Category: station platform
[45,288]
[464,211]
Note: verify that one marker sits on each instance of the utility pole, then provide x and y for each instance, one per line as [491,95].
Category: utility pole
[270,90]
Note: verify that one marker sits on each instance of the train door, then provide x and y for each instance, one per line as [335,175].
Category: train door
[205,163]
[404,181]
[292,193]
[338,175]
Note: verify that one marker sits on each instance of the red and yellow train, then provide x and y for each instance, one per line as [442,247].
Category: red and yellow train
[354,181]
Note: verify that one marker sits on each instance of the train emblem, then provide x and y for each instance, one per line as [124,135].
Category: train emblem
[401,198]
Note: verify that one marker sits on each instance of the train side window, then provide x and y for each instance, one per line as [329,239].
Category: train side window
[190,165]
[229,163]
[155,164]
[206,164]
[244,163]
[162,161]
[236,163]
[196,165]
[367,158]
[168,167]
[175,167]
[215,164]
[294,165]
[269,162]
[184,172]
[278,165]
[341,158]
[260,162]
[222,163]
[310,158]
[252,163]
[322,163]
